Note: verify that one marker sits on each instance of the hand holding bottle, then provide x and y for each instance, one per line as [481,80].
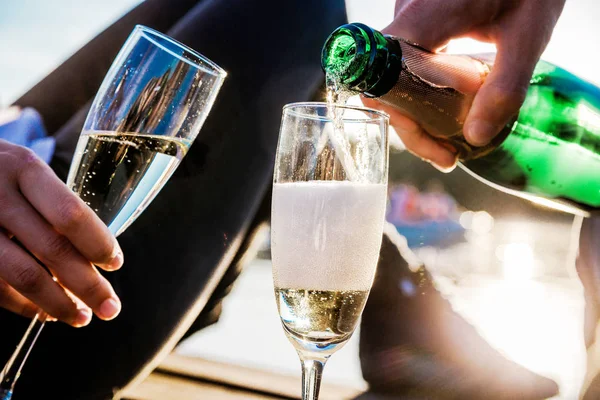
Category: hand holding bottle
[520,29]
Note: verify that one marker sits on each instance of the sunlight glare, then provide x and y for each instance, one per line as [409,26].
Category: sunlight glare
[517,261]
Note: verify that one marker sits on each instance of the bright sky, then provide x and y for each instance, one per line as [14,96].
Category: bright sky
[36,35]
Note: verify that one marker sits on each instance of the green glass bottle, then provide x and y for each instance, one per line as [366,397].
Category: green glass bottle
[550,153]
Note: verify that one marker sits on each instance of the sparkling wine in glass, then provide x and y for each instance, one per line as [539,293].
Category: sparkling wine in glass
[146,114]
[329,199]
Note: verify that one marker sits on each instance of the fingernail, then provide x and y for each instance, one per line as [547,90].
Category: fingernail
[445,170]
[84,316]
[117,260]
[480,132]
[109,309]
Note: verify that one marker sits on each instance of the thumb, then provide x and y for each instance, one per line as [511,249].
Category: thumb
[502,94]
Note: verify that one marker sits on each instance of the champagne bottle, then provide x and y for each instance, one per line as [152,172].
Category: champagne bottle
[550,153]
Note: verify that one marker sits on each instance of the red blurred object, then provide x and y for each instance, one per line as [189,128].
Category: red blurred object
[424,218]
[407,204]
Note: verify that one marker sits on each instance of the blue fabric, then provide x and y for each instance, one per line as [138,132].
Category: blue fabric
[28,130]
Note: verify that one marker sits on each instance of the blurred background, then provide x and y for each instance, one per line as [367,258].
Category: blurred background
[506,265]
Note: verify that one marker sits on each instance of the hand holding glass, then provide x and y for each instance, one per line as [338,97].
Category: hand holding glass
[148,110]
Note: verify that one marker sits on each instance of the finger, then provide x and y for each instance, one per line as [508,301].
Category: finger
[502,94]
[400,4]
[416,140]
[56,252]
[414,19]
[68,214]
[13,301]
[520,44]
[27,277]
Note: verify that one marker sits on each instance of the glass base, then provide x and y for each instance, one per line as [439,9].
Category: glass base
[316,348]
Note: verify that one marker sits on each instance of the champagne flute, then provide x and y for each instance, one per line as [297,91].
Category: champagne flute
[146,114]
[329,199]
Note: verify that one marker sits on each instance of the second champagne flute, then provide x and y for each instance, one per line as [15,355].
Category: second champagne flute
[329,199]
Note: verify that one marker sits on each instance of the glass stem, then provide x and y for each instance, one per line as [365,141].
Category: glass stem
[312,372]
[12,369]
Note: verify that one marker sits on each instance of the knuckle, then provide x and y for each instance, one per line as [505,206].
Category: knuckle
[65,312]
[103,251]
[400,4]
[409,22]
[26,158]
[70,214]
[28,279]
[57,248]
[94,288]
[410,14]
[414,8]
[509,95]
[21,152]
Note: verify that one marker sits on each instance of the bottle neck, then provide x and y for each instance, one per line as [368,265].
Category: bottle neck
[436,90]
[361,59]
